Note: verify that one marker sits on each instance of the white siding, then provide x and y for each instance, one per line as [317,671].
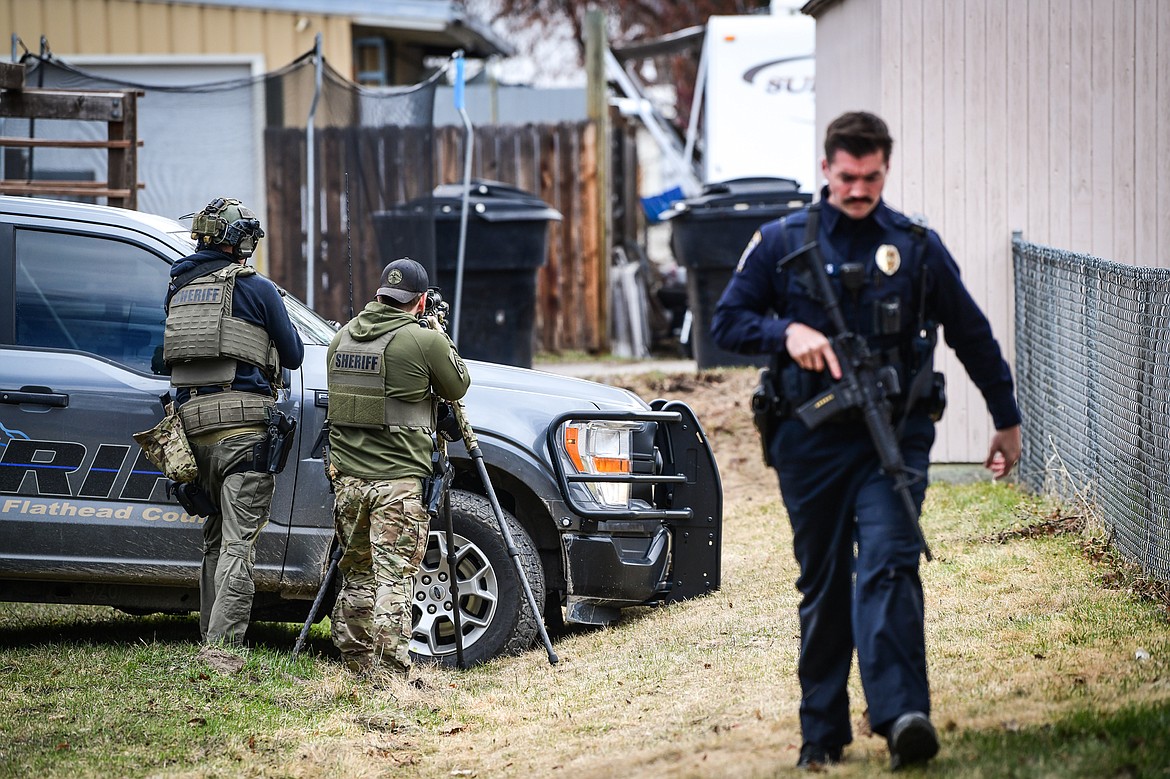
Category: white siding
[844,60]
[1045,116]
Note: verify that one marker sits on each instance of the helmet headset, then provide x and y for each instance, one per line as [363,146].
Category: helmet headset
[227,221]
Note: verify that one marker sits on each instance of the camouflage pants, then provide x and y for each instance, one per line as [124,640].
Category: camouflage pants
[226,588]
[383,529]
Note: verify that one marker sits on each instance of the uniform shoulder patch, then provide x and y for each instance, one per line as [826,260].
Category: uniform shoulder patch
[457,361]
[752,244]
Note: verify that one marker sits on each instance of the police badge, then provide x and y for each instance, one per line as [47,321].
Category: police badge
[888,259]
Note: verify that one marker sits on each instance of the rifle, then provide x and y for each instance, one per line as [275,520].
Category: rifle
[437,497]
[330,572]
[862,385]
[438,487]
[320,445]
[435,315]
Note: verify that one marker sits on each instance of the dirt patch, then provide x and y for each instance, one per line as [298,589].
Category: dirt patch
[720,398]
[221,660]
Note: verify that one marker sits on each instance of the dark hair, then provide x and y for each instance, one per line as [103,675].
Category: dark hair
[858,133]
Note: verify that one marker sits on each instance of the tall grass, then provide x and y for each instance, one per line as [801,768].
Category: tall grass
[1040,666]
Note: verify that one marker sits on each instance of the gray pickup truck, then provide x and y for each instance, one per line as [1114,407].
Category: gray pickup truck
[613,502]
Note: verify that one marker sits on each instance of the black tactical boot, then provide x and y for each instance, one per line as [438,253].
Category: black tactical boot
[813,757]
[912,739]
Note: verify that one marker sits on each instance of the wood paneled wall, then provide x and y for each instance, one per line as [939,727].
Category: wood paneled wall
[1046,116]
[131,27]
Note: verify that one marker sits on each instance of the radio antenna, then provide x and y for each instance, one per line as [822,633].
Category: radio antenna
[348,247]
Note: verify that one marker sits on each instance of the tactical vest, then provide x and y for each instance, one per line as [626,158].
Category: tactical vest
[903,340]
[203,341]
[357,388]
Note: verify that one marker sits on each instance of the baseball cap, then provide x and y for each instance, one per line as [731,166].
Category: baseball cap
[403,280]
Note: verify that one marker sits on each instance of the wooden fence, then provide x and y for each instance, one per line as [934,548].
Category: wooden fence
[368,167]
[556,163]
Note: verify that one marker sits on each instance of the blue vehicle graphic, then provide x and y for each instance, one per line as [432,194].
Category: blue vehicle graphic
[7,435]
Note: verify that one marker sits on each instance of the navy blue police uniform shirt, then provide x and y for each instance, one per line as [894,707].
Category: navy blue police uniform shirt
[762,300]
[255,300]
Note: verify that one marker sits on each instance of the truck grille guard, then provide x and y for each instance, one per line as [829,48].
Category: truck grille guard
[687,491]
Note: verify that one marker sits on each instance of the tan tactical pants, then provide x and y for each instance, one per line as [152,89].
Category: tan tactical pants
[226,588]
[382,526]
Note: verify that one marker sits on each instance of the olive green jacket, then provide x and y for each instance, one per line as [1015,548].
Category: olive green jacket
[420,362]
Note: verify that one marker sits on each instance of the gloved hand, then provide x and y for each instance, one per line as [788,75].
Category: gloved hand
[446,425]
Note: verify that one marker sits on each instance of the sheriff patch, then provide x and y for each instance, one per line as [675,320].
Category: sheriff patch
[357,362]
[202,293]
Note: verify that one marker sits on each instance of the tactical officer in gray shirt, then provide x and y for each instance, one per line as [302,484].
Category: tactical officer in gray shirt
[228,337]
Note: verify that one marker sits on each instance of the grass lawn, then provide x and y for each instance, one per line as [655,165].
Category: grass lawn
[1047,659]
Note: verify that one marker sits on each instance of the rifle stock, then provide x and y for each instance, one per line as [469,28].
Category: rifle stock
[326,584]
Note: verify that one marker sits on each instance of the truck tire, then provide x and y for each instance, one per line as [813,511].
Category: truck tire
[495,616]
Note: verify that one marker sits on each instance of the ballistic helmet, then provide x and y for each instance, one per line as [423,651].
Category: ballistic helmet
[226,220]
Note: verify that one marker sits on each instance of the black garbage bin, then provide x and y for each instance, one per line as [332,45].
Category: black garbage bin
[709,233]
[507,239]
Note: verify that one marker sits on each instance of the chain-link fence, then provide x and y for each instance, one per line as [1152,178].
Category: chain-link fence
[1093,375]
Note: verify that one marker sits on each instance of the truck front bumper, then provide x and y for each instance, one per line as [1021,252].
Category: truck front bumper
[661,548]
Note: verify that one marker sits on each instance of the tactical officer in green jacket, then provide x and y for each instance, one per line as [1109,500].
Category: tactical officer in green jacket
[385,375]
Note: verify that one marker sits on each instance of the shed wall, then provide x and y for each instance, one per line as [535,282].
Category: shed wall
[1045,116]
[131,27]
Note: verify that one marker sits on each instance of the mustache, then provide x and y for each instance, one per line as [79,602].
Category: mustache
[858,200]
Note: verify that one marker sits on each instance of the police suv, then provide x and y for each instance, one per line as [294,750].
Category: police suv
[612,502]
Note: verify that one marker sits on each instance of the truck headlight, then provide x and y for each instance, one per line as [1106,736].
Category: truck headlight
[601,448]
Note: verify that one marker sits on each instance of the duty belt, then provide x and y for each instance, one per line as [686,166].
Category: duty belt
[223,410]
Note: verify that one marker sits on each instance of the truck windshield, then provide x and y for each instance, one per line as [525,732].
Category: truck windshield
[313,329]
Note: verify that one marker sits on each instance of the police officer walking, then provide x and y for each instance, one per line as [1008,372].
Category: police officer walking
[227,339]
[895,283]
[384,373]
